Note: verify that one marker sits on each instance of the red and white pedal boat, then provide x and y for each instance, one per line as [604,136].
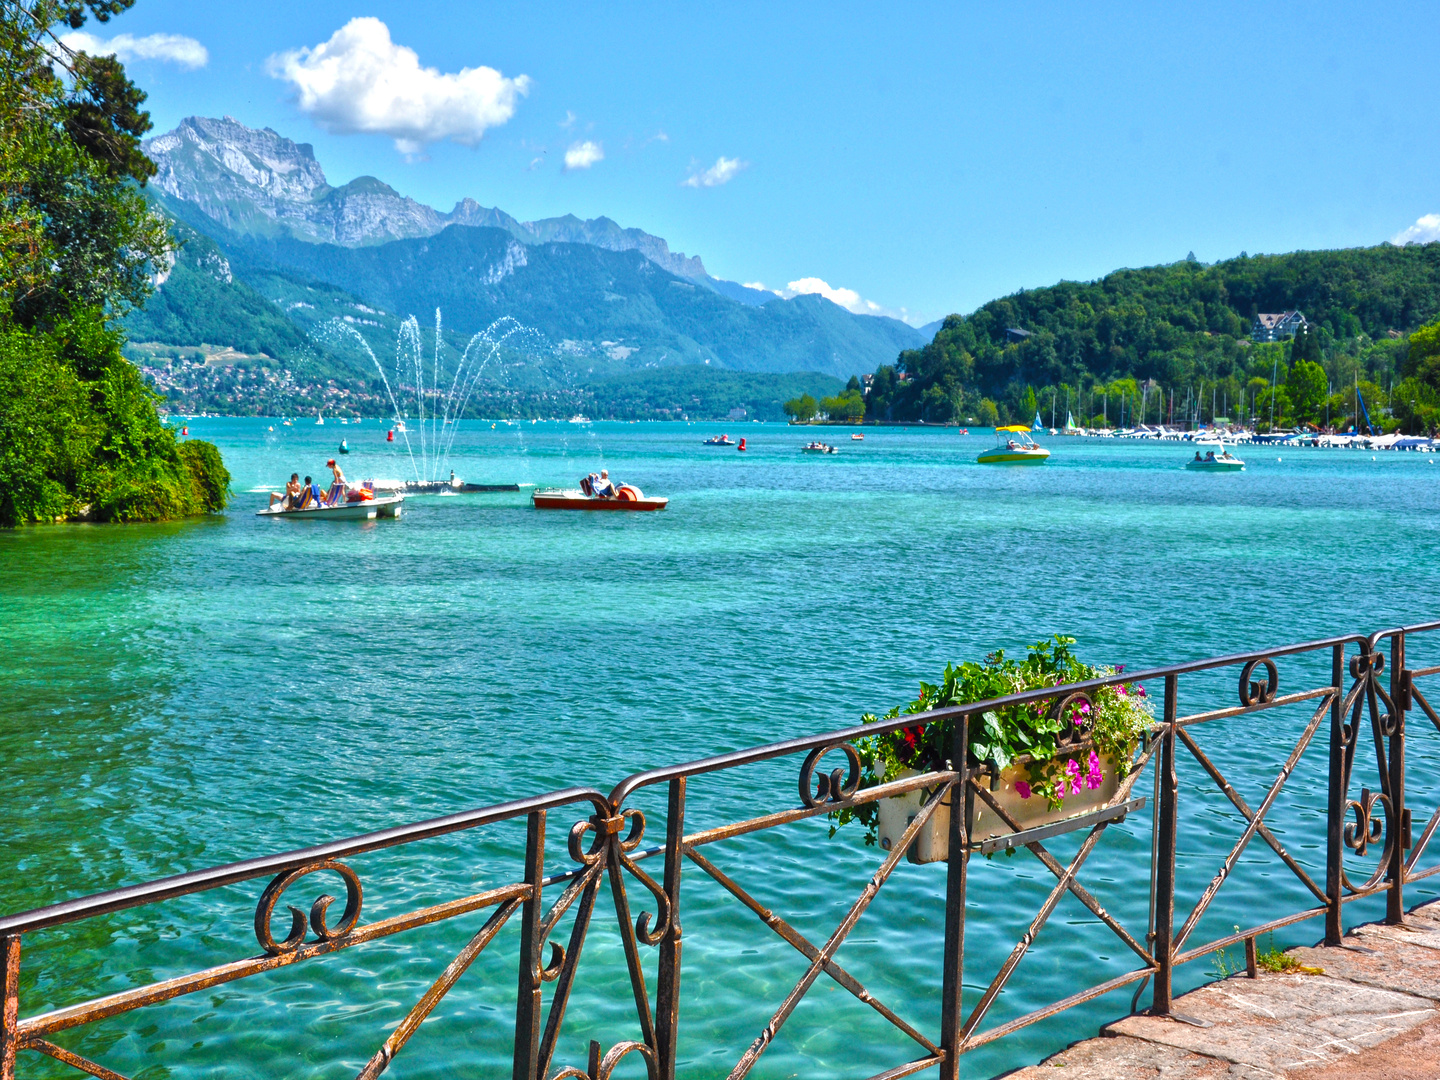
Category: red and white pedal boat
[628,497]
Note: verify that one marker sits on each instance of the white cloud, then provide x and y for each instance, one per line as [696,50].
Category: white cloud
[361,82]
[1423,231]
[171,48]
[722,172]
[849,299]
[582,155]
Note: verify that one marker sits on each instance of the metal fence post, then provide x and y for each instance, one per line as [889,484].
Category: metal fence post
[1165,873]
[1400,817]
[952,1014]
[529,999]
[10,1005]
[667,993]
[1335,806]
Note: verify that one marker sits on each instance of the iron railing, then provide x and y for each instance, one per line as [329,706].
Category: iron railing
[604,846]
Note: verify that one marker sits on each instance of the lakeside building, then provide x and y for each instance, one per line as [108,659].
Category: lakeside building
[1278,326]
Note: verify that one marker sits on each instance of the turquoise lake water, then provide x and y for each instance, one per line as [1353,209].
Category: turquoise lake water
[184,695]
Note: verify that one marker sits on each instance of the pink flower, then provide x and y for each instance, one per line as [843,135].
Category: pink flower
[1140,690]
[1095,777]
[1120,690]
[1022,789]
[1120,670]
[1072,769]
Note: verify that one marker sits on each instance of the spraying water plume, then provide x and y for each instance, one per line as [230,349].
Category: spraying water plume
[418,395]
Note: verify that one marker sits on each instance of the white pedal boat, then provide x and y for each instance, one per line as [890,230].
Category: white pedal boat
[387,506]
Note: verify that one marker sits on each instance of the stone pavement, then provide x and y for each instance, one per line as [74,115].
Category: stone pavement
[1374,1014]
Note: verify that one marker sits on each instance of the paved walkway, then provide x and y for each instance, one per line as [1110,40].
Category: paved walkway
[1374,1014]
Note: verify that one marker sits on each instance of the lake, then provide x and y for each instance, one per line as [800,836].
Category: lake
[188,694]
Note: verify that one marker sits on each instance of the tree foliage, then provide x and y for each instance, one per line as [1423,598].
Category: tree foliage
[802,408]
[79,431]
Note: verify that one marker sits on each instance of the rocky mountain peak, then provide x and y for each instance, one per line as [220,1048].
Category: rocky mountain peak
[259,183]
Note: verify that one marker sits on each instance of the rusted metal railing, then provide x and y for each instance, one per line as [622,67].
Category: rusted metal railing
[604,847]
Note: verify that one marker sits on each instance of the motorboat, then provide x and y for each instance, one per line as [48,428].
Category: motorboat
[385,506]
[719,440]
[1018,449]
[857,437]
[627,497]
[818,448]
[1213,462]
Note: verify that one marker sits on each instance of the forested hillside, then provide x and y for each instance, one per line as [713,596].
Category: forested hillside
[1134,338]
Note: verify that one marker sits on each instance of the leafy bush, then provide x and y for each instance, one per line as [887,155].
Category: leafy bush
[1036,736]
[80,435]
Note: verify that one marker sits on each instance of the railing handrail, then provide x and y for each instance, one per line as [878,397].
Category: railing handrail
[634,782]
[168,888]
[112,900]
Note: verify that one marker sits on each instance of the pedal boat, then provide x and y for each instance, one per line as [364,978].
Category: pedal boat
[575,499]
[818,448]
[1226,462]
[1019,449]
[719,440]
[387,506]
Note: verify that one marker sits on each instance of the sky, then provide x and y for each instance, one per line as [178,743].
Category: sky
[906,159]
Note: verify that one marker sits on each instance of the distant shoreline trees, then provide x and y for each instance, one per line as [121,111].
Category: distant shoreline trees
[1171,344]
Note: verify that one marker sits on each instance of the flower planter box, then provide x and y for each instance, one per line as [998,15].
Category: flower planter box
[933,843]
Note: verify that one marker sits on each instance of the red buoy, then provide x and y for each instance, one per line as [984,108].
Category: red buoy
[390,437]
[742,443]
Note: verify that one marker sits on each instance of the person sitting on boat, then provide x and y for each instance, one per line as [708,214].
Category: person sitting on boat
[1210,455]
[310,495]
[602,487]
[292,493]
[1197,455]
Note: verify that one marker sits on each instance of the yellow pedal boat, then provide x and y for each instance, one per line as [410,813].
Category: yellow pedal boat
[1018,449]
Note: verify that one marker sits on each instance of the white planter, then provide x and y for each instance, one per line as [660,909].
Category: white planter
[933,843]
[898,811]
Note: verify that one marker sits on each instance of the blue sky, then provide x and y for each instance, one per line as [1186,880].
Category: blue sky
[926,157]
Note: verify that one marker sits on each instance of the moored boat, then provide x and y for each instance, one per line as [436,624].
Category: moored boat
[1019,449]
[818,448]
[626,498]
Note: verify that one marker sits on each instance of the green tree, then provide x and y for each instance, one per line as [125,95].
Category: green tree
[848,405]
[1028,405]
[987,414]
[1306,388]
[79,431]
[1423,357]
[801,409]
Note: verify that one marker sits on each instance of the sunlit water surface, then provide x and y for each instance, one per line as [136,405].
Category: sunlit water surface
[184,695]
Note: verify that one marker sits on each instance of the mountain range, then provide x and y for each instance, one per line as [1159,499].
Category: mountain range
[272,256]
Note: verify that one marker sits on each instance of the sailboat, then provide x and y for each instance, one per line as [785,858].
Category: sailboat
[319,420]
[1037,425]
[1070,422]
